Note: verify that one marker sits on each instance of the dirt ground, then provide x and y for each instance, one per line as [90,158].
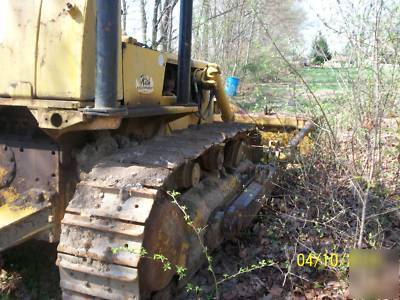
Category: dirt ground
[312,211]
[280,232]
[29,272]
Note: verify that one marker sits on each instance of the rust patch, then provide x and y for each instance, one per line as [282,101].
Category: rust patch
[9,195]
[7,166]
[110,172]
[3,173]
[33,198]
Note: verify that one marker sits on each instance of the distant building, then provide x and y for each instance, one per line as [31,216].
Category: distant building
[338,61]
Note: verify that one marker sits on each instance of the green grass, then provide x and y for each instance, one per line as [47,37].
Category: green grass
[334,89]
[328,75]
[291,96]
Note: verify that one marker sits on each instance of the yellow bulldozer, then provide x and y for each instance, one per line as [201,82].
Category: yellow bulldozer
[97,131]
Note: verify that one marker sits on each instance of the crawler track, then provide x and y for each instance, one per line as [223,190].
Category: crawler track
[112,207]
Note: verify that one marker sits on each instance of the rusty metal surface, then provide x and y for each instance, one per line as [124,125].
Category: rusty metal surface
[122,202]
[7,166]
[29,185]
[242,207]
[213,159]
[241,211]
[24,228]
[36,164]
[274,120]
[308,127]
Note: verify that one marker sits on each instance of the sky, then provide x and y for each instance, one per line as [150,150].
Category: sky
[317,10]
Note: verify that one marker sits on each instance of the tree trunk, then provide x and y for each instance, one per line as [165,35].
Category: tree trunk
[124,12]
[249,42]
[144,20]
[154,35]
[205,37]
[165,23]
[170,31]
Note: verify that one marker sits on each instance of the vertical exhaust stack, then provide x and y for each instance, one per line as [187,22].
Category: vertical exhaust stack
[107,46]
[185,52]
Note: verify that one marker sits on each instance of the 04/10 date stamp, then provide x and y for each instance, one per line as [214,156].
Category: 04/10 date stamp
[373,274]
[327,260]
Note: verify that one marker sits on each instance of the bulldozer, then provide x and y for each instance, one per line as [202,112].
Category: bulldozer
[98,131]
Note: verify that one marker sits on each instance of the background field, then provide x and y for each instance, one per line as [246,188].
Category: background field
[290,95]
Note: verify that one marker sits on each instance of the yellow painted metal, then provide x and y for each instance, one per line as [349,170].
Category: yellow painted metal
[275,120]
[172,58]
[150,66]
[9,213]
[57,119]
[21,89]
[91,124]
[211,78]
[19,222]
[144,71]
[282,139]
[66,48]
[223,101]
[18,36]
[47,49]
[65,70]
[44,103]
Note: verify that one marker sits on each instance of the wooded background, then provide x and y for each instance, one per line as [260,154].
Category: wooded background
[228,32]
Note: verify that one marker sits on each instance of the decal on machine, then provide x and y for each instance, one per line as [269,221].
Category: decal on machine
[145,84]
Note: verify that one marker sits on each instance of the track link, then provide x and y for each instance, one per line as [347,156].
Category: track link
[112,204]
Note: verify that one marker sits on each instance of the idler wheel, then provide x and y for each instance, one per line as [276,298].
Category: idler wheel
[234,153]
[189,175]
[213,159]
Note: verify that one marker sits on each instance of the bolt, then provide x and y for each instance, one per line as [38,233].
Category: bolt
[124,195]
[40,198]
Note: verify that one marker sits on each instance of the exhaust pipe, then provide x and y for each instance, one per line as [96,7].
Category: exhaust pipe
[107,46]
[185,52]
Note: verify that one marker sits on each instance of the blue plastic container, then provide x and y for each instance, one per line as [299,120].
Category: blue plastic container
[231,85]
